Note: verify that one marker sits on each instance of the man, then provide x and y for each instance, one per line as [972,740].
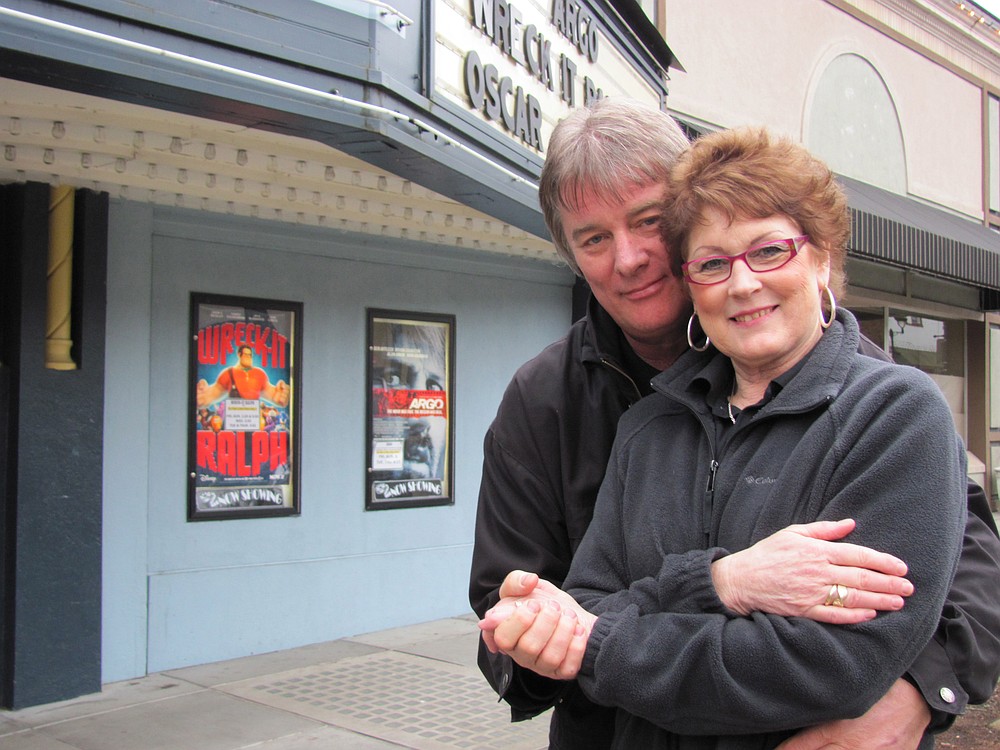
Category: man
[546,451]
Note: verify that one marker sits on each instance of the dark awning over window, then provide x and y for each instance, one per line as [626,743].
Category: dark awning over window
[904,232]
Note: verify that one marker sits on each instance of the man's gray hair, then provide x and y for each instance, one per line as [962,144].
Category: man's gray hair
[607,148]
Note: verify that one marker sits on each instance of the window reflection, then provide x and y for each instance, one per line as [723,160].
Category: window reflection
[935,346]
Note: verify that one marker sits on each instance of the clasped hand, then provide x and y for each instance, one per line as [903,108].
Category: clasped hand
[538,625]
[789,573]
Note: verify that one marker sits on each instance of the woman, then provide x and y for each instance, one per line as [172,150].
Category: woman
[784,423]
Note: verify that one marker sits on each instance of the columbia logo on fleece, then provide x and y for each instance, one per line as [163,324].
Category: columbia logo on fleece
[759,480]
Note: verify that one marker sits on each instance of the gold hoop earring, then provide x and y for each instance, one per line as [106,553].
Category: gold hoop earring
[824,323]
[704,346]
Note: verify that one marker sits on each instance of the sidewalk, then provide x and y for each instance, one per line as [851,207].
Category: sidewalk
[415,687]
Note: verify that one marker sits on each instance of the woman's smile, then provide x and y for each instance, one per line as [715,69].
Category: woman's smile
[748,317]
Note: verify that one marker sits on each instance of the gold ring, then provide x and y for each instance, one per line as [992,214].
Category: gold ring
[835,597]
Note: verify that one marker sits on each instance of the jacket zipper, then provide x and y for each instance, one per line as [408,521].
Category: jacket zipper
[717,451]
[706,517]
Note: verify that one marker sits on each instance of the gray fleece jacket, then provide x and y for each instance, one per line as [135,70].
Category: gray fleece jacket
[846,437]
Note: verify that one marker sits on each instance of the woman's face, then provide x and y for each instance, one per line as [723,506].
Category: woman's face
[764,322]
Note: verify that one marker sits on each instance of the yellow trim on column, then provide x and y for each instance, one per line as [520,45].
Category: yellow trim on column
[60,280]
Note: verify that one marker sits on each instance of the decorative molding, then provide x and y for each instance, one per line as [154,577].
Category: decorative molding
[940,28]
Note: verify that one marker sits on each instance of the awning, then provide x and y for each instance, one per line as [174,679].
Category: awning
[906,233]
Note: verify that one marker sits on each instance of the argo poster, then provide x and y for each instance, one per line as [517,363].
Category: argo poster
[244,407]
[410,367]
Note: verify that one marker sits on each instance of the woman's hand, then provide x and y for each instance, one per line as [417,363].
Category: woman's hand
[539,626]
[791,573]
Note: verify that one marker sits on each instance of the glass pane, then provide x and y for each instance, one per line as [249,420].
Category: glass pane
[938,348]
[995,380]
[995,460]
[932,345]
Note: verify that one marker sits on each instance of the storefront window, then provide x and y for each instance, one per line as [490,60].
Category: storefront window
[995,379]
[938,348]
[935,346]
[995,479]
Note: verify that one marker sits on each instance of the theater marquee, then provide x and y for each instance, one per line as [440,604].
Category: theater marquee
[523,66]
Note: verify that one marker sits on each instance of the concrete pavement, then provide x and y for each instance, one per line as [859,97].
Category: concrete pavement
[414,687]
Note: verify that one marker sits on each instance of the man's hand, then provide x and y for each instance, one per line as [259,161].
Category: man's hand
[791,572]
[539,626]
[897,721]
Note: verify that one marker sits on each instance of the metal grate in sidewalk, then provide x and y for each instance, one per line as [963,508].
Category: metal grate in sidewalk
[414,701]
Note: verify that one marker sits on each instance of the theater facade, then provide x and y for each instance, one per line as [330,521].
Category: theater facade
[267,269]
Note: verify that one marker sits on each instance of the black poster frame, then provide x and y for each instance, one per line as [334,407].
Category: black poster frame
[244,448]
[410,397]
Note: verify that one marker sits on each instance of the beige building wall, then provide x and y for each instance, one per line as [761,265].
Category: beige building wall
[771,62]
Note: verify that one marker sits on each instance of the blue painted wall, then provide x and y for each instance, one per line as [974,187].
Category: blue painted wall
[179,593]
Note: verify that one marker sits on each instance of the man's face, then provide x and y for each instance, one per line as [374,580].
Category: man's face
[246,357]
[620,251]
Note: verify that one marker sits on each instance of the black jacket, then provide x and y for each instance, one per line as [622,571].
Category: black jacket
[544,459]
[846,437]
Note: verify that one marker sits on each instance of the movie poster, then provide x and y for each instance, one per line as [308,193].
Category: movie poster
[410,406]
[244,448]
